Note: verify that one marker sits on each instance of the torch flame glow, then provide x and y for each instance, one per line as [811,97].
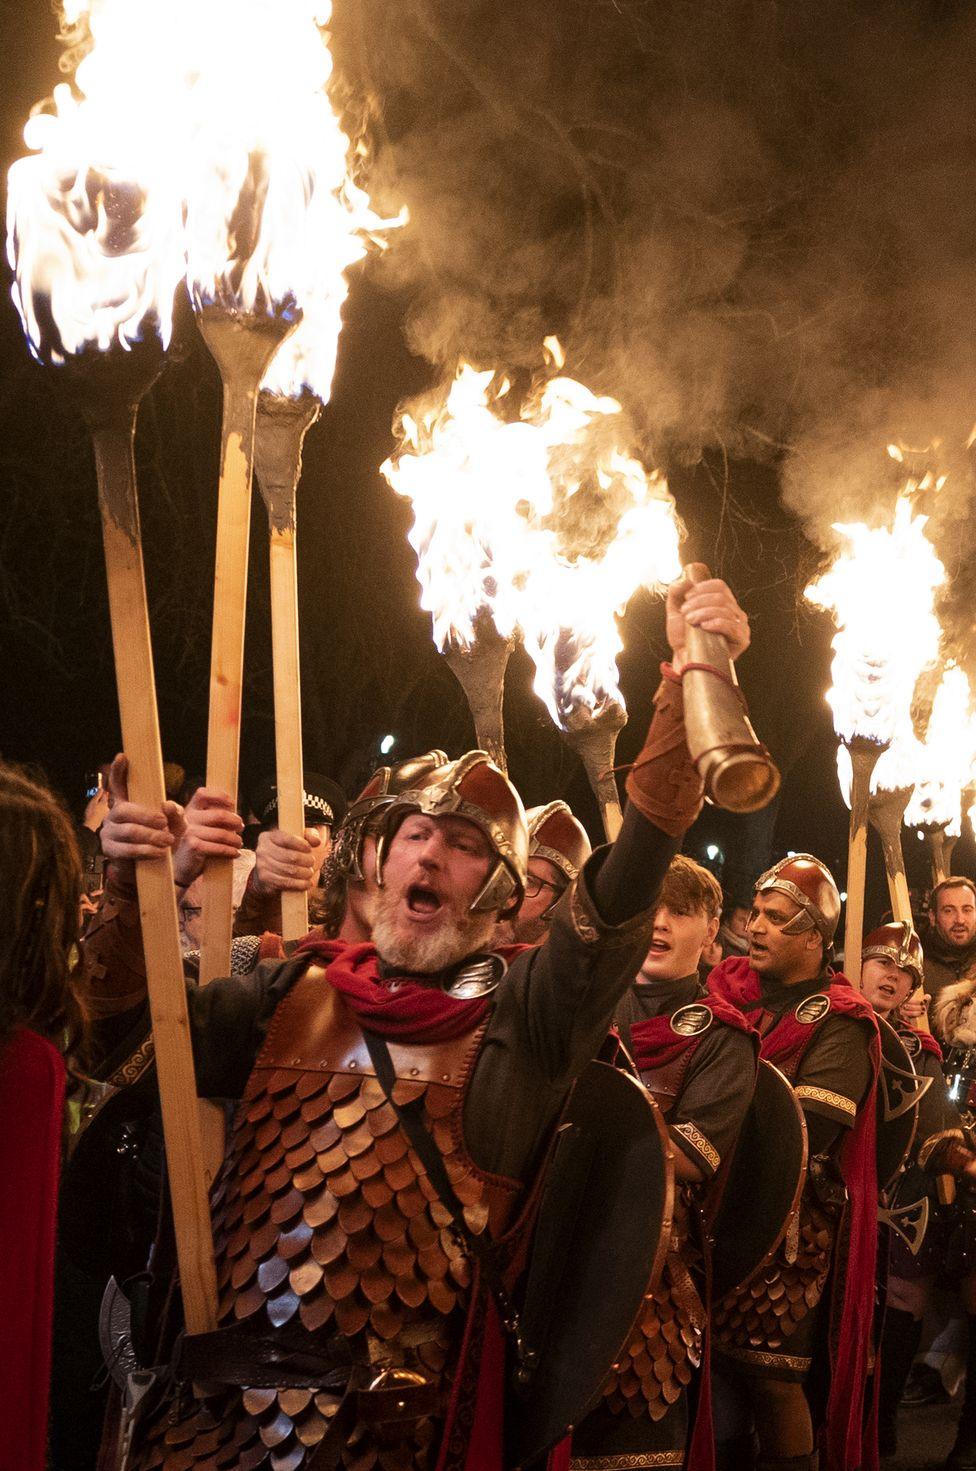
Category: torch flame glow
[881,592]
[97,253]
[946,758]
[199,139]
[544,520]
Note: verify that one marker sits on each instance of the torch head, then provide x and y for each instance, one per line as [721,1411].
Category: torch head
[809,883]
[474,788]
[898,942]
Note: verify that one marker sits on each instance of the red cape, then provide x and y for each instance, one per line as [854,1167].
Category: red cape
[849,1437]
[32,1077]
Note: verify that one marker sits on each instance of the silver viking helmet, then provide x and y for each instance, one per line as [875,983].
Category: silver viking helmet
[809,883]
[472,787]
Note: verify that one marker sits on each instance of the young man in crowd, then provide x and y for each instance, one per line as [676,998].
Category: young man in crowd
[785,1340]
[697,1056]
[343,1295]
[891,975]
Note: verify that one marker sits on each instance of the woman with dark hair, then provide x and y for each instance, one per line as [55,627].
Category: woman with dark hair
[42,1020]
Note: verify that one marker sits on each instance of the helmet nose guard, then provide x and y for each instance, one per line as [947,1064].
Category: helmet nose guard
[809,883]
[474,788]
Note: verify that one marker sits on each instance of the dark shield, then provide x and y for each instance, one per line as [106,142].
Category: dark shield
[763,1186]
[899,1090]
[599,1246]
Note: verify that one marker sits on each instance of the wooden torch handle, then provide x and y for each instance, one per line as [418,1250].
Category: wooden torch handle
[288,715]
[154,877]
[227,657]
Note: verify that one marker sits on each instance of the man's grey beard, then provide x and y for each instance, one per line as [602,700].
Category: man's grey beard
[456,937]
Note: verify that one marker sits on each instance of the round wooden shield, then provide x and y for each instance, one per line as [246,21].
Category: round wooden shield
[763,1186]
[599,1246]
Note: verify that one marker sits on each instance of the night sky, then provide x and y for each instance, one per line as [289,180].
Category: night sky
[369,666]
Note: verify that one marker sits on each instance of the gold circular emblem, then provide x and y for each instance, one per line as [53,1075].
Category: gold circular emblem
[813,1009]
[689,1020]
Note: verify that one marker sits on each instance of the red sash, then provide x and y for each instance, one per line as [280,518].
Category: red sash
[849,1438]
[32,1076]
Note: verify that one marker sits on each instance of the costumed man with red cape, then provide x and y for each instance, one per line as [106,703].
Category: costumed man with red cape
[696,1054]
[395,1100]
[796,1338]
[919,1233]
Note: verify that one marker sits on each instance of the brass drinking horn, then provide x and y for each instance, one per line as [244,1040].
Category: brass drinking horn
[738,772]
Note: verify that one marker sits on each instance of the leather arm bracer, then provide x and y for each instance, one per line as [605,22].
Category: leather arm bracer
[663,782]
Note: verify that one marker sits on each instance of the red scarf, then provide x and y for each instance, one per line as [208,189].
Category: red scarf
[849,1439]
[31,1098]
[413,1011]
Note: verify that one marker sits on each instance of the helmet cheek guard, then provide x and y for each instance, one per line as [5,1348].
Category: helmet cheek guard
[810,884]
[799,924]
[500,895]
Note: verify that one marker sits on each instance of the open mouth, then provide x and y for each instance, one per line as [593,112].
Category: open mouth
[423,901]
[887,991]
[658,947]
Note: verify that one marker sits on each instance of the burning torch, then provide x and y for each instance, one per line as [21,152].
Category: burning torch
[264,162]
[338,226]
[470,476]
[946,759]
[881,646]
[97,255]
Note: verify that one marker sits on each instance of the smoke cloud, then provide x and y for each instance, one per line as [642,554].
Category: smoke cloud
[752,221]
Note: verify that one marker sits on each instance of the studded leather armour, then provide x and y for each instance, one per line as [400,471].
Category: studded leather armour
[328,1231]
[665,1348]
[755,1320]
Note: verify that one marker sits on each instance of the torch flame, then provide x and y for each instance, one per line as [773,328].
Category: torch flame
[946,758]
[544,520]
[881,592]
[199,139]
[96,251]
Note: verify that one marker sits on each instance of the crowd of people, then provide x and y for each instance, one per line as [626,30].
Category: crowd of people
[399,1092]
